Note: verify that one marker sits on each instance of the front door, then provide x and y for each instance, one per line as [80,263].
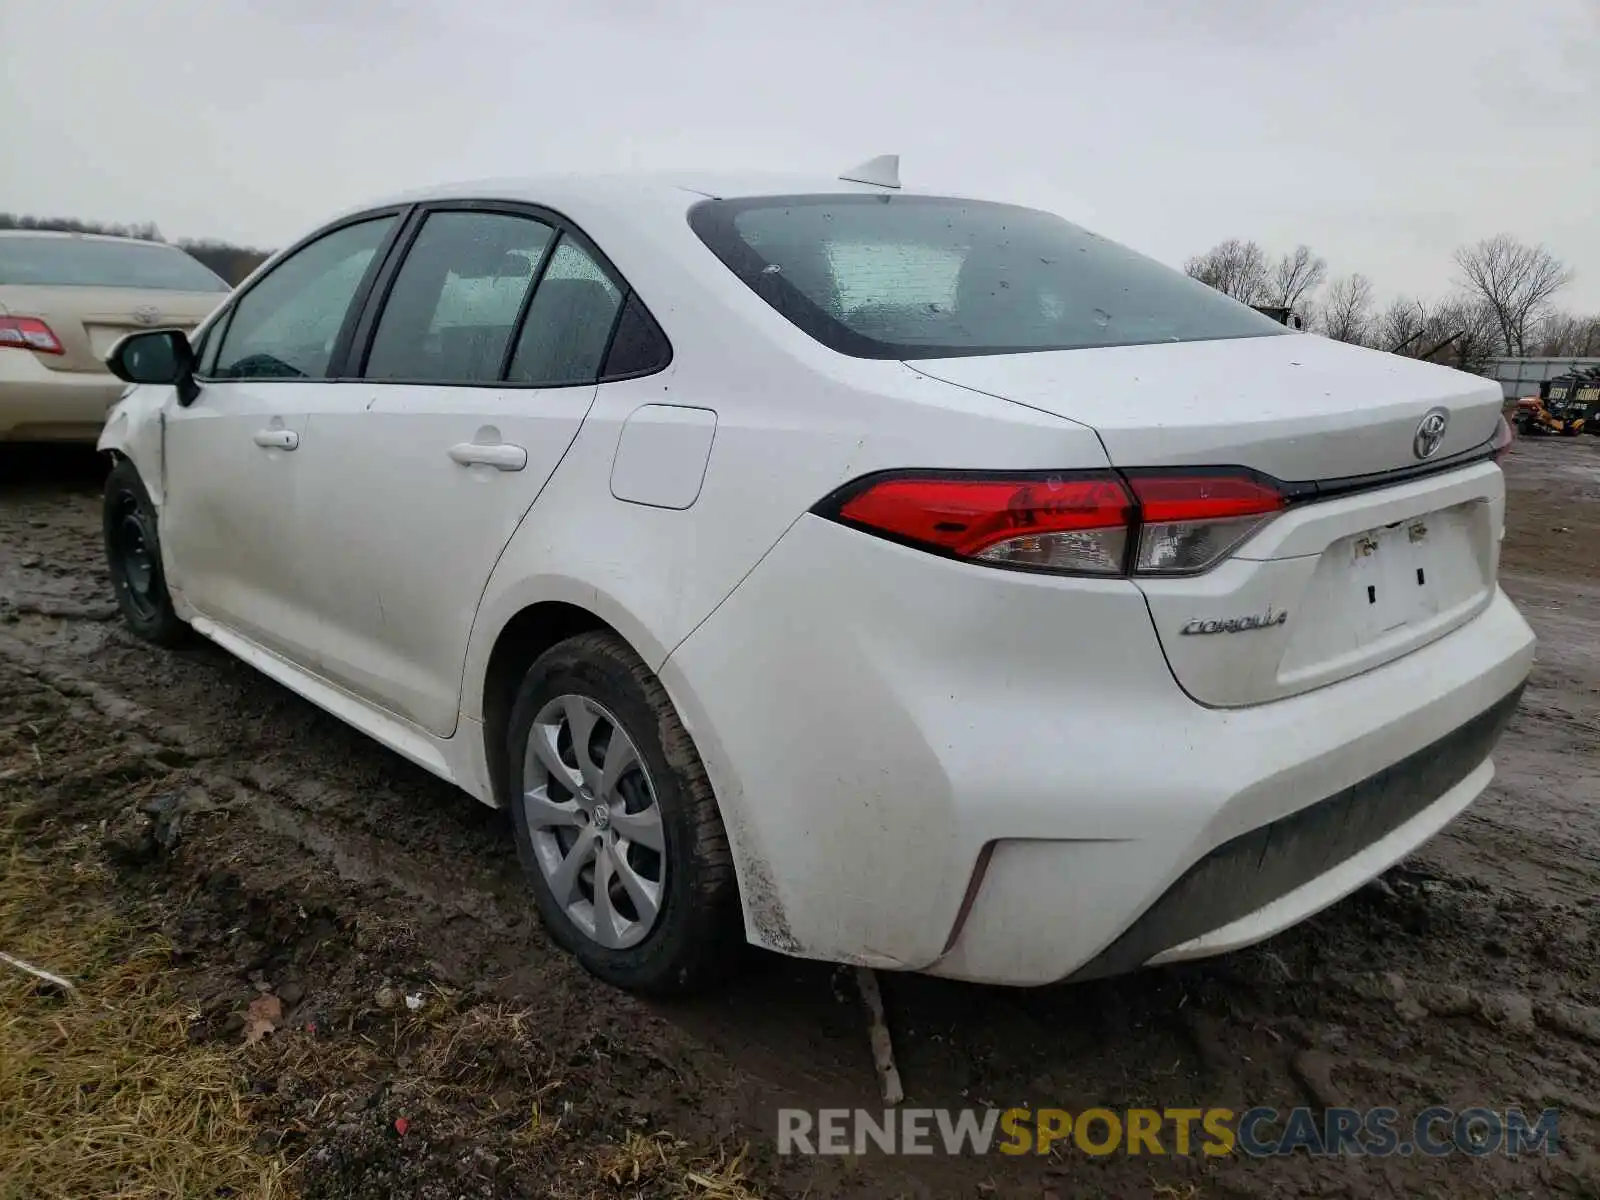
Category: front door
[230,523]
[482,366]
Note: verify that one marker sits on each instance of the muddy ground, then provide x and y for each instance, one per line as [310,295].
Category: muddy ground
[310,862]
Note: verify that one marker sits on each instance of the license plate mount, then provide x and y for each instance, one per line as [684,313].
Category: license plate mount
[1389,569]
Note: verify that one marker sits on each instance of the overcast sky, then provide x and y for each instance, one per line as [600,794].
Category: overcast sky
[1382,132]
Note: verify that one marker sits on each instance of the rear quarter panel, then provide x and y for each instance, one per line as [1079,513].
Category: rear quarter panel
[785,438]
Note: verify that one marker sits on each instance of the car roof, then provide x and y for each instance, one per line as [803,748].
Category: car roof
[68,234]
[676,189]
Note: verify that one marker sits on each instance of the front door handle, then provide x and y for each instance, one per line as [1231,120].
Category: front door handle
[502,456]
[276,439]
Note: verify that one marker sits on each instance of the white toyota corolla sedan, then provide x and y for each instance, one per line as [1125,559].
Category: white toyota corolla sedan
[890,578]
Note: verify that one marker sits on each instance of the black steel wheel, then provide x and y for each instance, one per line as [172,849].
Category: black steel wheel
[133,557]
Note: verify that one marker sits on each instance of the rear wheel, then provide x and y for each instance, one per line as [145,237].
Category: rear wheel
[616,823]
[133,557]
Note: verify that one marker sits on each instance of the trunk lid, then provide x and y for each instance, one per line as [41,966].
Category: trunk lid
[1333,586]
[88,321]
[1296,406]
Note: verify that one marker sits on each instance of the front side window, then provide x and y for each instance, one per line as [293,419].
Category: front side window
[928,277]
[454,306]
[286,326]
[100,262]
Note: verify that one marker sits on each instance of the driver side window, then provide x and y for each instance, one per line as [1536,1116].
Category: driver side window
[286,325]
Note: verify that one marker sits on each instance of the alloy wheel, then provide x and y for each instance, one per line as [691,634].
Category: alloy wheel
[594,821]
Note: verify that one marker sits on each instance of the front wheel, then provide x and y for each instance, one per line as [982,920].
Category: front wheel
[616,823]
[133,557]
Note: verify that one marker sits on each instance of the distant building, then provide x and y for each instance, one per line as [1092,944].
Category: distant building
[1520,377]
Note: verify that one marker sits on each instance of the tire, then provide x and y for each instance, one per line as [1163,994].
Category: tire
[133,557]
[595,683]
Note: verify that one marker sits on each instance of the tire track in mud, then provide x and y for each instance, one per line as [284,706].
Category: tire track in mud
[347,831]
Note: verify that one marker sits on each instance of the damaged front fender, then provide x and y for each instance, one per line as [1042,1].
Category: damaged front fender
[135,429]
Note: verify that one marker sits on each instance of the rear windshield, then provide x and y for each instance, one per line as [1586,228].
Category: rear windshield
[926,277]
[86,262]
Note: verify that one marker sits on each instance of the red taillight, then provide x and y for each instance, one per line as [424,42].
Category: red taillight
[28,333]
[1174,522]
[1190,521]
[1059,523]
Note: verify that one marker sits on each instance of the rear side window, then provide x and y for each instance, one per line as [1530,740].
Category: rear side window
[455,303]
[90,262]
[878,276]
[639,347]
[570,321]
[286,325]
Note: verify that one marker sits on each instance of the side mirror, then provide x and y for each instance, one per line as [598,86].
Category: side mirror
[157,356]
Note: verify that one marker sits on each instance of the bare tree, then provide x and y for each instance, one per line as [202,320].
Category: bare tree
[1295,276]
[1462,331]
[1515,280]
[1402,328]
[145,229]
[1567,335]
[1347,310]
[1234,268]
[231,262]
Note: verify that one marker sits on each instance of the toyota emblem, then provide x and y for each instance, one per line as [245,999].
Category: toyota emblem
[147,314]
[1430,433]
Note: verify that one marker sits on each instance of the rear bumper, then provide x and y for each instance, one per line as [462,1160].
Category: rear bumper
[1265,880]
[924,767]
[38,404]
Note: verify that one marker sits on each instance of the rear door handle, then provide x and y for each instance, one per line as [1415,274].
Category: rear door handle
[502,456]
[276,439]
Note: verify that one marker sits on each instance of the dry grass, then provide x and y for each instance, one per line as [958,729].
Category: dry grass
[104,1094]
[101,1092]
[659,1162]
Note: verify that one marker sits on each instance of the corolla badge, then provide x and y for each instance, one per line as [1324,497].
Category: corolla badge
[1273,616]
[1430,433]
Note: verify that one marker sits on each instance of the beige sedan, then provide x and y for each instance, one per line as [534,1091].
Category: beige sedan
[65,299]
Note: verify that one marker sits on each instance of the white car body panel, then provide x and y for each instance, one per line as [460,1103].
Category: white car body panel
[662,455]
[378,479]
[1303,564]
[135,428]
[880,779]
[1205,403]
[229,511]
[922,763]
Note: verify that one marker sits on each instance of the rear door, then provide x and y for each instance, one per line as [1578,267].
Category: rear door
[230,524]
[485,349]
